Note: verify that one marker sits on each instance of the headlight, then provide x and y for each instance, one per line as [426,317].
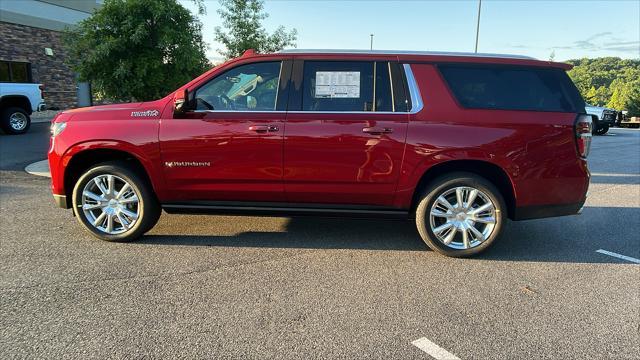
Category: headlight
[57,128]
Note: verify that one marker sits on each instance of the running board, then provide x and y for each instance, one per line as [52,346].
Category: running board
[285,209]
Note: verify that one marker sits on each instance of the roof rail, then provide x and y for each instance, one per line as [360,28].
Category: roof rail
[402,52]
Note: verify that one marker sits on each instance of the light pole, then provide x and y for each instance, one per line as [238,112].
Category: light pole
[478,24]
[371,41]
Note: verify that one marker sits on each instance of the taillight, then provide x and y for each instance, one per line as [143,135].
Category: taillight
[583,134]
[41,87]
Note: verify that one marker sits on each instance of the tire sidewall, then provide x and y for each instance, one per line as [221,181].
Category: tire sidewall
[6,124]
[443,184]
[139,186]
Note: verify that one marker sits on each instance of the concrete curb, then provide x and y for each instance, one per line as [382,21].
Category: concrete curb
[40,168]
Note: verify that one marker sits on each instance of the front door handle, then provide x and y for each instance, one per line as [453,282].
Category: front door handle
[263,128]
[377,131]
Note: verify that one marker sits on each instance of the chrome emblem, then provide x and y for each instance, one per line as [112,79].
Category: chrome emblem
[147,113]
[172,164]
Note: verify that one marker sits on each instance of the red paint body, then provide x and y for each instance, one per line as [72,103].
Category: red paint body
[322,158]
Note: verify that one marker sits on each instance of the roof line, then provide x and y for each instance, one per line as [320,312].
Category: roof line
[402,52]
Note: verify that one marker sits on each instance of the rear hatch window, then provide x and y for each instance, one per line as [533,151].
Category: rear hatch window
[512,88]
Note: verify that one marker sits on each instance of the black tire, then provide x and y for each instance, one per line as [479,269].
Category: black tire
[14,128]
[148,207]
[440,186]
[602,130]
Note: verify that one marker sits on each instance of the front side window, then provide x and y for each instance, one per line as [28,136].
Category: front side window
[510,88]
[251,87]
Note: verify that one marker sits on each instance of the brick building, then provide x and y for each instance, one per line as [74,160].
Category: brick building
[31,47]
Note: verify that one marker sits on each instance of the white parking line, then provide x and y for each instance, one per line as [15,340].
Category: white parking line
[623,257]
[615,175]
[433,350]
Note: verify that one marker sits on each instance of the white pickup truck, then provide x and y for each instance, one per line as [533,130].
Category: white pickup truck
[17,102]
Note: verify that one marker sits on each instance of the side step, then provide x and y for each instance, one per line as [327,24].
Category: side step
[283,209]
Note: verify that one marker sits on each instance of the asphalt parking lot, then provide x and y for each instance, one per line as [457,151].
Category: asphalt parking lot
[315,288]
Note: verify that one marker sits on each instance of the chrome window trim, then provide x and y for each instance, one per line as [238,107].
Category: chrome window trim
[414,90]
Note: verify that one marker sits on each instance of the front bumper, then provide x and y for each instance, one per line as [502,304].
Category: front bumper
[61,201]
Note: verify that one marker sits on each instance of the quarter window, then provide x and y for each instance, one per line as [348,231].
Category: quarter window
[346,86]
[512,88]
[251,87]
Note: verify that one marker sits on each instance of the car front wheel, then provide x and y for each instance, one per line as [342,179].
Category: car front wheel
[460,214]
[114,203]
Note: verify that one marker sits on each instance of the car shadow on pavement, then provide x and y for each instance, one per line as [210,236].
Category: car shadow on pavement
[572,239]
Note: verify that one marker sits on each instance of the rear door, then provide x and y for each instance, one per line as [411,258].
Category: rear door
[345,132]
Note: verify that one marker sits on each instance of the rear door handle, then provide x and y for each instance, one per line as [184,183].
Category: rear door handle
[377,131]
[263,128]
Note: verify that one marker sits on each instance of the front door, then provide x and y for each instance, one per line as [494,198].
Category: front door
[345,133]
[229,148]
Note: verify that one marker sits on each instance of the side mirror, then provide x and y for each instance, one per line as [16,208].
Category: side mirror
[181,102]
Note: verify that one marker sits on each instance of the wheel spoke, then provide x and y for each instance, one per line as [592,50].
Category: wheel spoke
[91,206]
[476,233]
[442,228]
[465,238]
[110,184]
[122,220]
[442,201]
[132,199]
[460,197]
[485,207]
[452,233]
[129,214]
[122,191]
[485,220]
[439,213]
[91,195]
[99,219]
[100,186]
[109,223]
[471,197]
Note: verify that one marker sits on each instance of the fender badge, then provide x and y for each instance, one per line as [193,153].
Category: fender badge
[172,164]
[147,113]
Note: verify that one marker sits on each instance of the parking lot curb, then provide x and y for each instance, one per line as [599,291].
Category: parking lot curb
[40,168]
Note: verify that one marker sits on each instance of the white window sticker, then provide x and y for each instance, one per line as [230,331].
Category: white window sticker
[337,84]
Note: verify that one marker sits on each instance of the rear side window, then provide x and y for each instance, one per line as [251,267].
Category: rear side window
[347,86]
[512,88]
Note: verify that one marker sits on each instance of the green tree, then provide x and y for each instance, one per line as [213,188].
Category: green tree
[608,81]
[137,49]
[242,29]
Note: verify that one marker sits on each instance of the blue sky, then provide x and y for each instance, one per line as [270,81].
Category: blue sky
[573,29]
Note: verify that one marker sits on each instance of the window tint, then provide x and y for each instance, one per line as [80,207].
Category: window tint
[511,88]
[15,72]
[251,87]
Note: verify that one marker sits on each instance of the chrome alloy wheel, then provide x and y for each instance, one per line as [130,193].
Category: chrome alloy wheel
[462,217]
[18,121]
[110,204]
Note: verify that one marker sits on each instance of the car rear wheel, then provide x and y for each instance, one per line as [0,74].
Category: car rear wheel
[602,130]
[460,214]
[15,121]
[114,203]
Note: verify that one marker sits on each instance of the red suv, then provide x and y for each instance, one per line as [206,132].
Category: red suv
[460,142]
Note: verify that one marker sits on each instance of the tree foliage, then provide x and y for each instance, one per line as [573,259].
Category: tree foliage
[242,29]
[137,49]
[609,81]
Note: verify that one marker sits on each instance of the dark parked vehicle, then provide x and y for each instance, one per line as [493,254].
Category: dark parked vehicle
[459,142]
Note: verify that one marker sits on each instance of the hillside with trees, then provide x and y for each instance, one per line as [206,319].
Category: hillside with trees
[609,81]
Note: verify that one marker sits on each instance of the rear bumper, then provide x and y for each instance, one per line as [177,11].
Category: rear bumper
[42,107]
[61,201]
[546,211]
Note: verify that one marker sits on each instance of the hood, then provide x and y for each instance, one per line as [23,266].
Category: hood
[139,110]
